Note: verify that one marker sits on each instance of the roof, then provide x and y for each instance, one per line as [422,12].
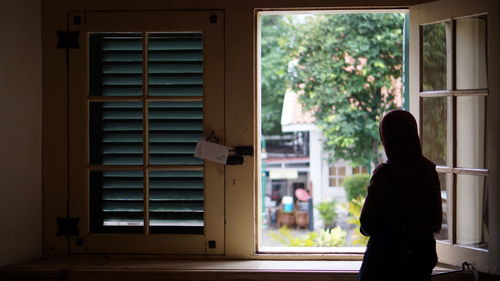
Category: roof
[293,113]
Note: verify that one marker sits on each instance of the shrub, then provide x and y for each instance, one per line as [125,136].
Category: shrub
[327,212]
[324,238]
[356,185]
[354,209]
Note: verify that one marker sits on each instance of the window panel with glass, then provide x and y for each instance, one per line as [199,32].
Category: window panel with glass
[456,142]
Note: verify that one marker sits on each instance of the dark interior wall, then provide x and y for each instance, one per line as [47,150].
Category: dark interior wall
[20,131]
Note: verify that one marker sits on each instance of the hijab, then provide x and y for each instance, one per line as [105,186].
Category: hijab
[399,135]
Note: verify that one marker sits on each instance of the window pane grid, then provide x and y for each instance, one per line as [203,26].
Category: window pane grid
[125,70]
[462,84]
[447,93]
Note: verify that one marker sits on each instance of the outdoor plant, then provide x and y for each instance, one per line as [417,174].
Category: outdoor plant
[354,209]
[335,237]
[327,213]
[356,185]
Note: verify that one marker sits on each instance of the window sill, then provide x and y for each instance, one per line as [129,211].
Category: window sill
[150,267]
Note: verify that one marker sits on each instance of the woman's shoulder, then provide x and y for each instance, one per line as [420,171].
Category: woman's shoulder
[382,168]
[380,173]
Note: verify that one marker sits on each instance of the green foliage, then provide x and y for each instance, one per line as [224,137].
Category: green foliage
[354,209]
[434,64]
[325,238]
[356,185]
[434,129]
[327,212]
[434,61]
[276,38]
[346,65]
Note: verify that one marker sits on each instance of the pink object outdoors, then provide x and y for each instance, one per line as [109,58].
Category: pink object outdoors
[302,194]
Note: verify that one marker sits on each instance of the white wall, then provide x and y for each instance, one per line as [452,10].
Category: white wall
[20,131]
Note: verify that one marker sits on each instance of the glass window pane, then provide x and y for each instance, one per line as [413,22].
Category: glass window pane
[341,170]
[116,133]
[471,53]
[443,235]
[333,171]
[176,201]
[175,64]
[472,211]
[434,56]
[174,130]
[333,182]
[117,200]
[434,129]
[471,113]
[115,64]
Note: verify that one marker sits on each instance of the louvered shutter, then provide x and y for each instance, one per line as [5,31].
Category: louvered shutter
[143,135]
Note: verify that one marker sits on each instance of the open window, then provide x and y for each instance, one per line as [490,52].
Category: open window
[144,88]
[449,94]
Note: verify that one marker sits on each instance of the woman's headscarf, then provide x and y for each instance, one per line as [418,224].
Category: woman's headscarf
[399,135]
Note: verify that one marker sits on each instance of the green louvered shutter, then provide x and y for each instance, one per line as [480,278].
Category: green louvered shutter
[145,116]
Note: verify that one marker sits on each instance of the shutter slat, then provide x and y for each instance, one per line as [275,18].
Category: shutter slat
[172,149]
[174,44]
[160,68]
[122,68]
[122,160]
[122,149]
[121,44]
[175,56]
[171,104]
[122,79]
[122,194]
[113,137]
[120,206]
[122,114]
[119,57]
[174,160]
[122,183]
[125,218]
[176,206]
[174,137]
[176,174]
[122,90]
[176,184]
[162,79]
[121,125]
[176,195]
[175,90]
[175,126]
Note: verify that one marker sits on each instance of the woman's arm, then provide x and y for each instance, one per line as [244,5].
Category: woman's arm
[437,220]
[372,211]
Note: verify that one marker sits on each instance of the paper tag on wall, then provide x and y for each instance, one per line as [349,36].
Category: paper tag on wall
[211,151]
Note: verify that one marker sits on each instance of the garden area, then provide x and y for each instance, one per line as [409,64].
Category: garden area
[326,81]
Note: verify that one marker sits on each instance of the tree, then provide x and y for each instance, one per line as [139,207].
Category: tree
[347,66]
[276,41]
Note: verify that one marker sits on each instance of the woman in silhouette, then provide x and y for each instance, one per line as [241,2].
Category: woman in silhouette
[402,210]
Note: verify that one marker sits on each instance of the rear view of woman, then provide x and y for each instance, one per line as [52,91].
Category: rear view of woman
[402,210]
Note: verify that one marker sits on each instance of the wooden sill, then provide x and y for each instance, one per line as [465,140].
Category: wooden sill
[123,268]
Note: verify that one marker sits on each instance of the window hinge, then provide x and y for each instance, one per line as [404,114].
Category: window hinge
[68,39]
[213,18]
[212,244]
[67,226]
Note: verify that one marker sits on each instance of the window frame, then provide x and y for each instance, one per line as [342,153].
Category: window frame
[428,13]
[241,94]
[78,104]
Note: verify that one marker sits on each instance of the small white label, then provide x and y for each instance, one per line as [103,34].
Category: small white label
[211,151]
